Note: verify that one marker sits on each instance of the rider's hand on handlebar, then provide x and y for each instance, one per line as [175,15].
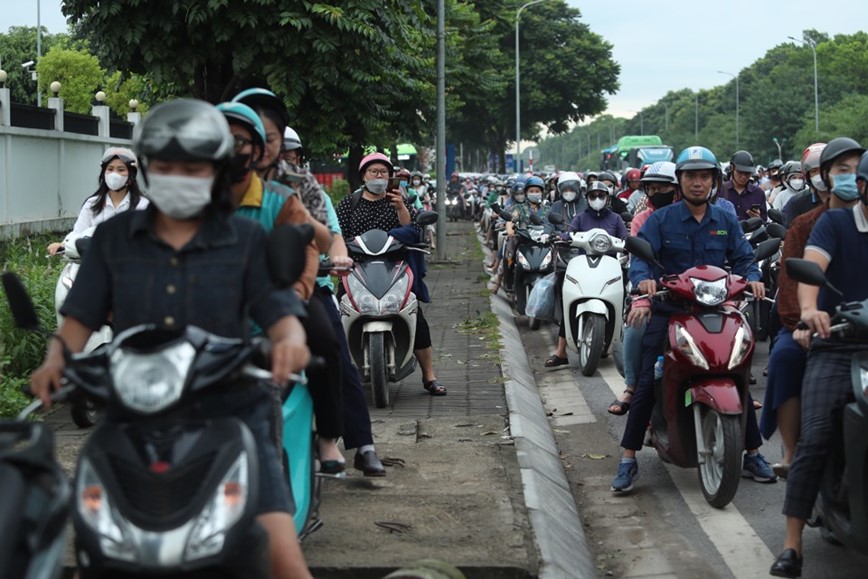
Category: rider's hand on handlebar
[648,287]
[342,264]
[53,248]
[758,289]
[638,315]
[802,338]
[287,357]
[46,379]
[818,321]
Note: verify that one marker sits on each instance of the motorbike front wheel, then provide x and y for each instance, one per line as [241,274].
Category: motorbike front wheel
[591,343]
[379,373]
[84,412]
[720,470]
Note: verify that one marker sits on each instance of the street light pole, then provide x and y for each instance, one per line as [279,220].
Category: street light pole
[696,120]
[517,87]
[38,50]
[778,143]
[440,168]
[735,76]
[813,47]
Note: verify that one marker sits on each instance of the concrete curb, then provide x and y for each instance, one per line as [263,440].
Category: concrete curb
[557,526]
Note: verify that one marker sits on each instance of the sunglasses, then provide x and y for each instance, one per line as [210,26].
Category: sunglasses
[597,195]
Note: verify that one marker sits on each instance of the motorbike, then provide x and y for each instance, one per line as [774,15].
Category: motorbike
[35,503]
[159,490]
[533,260]
[455,207]
[378,308]
[699,415]
[592,296]
[84,411]
[841,510]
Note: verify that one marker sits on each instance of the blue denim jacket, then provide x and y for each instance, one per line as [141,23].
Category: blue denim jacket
[210,282]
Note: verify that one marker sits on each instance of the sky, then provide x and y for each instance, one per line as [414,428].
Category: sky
[661,46]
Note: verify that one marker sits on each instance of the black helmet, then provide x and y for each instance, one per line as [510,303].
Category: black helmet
[862,170]
[607,176]
[834,149]
[597,186]
[790,168]
[775,166]
[183,130]
[742,161]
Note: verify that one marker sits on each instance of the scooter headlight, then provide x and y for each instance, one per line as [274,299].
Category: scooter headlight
[150,382]
[522,260]
[709,293]
[365,302]
[99,514]
[863,374]
[686,345]
[740,347]
[601,243]
[546,261]
[225,508]
[393,300]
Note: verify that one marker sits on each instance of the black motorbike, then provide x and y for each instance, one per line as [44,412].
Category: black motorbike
[841,510]
[534,258]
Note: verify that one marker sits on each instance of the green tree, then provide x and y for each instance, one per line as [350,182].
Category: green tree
[18,46]
[79,74]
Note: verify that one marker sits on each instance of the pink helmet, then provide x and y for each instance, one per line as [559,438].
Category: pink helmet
[375,158]
[811,158]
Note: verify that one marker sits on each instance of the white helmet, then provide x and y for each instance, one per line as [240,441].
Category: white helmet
[291,141]
[573,178]
[660,172]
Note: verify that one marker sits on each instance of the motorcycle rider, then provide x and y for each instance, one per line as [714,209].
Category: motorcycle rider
[173,250]
[794,184]
[661,187]
[375,207]
[118,191]
[611,182]
[571,196]
[632,178]
[749,200]
[526,200]
[683,235]
[596,216]
[455,189]
[839,245]
[810,198]
[788,356]
[774,177]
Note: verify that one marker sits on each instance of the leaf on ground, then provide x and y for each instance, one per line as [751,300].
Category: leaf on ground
[595,456]
[488,433]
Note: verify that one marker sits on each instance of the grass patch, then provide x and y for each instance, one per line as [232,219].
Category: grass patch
[486,325]
[483,277]
[21,352]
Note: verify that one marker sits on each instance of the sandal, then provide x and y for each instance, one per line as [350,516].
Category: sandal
[495,287]
[435,387]
[556,361]
[623,407]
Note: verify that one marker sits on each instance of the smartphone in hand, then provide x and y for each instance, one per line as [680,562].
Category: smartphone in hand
[394,184]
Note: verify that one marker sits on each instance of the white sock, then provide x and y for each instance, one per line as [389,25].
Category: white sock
[365,448]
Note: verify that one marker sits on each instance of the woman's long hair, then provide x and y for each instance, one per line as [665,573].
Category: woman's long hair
[99,198]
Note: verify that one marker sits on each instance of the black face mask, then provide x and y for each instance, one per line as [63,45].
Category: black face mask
[660,200]
[239,166]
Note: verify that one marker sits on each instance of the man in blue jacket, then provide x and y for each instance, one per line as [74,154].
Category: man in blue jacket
[684,235]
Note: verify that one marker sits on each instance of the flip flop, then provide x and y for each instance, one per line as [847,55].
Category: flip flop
[623,407]
[556,361]
[435,388]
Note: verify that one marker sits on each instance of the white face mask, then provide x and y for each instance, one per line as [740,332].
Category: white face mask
[179,196]
[817,182]
[797,184]
[569,196]
[597,204]
[376,186]
[115,181]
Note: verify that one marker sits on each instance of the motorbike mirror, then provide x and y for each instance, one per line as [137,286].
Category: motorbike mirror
[82,244]
[776,230]
[641,249]
[427,218]
[751,224]
[23,311]
[411,199]
[805,271]
[505,215]
[759,236]
[535,220]
[556,218]
[286,253]
[766,249]
[496,207]
[627,217]
[777,216]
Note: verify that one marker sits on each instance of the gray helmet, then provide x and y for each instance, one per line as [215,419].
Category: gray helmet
[742,161]
[184,130]
[862,170]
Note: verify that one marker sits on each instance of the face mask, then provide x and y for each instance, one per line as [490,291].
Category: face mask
[416,182]
[115,181]
[239,167]
[179,196]
[518,197]
[662,199]
[377,186]
[797,184]
[569,196]
[817,182]
[597,204]
[534,197]
[404,184]
[844,187]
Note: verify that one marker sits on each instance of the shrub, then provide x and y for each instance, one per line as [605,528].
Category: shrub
[338,190]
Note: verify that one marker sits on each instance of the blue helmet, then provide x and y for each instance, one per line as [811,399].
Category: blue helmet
[695,159]
[245,116]
[535,181]
[519,184]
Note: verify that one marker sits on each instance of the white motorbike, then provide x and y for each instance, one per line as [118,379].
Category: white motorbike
[84,412]
[593,296]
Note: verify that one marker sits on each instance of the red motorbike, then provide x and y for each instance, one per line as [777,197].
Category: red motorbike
[698,418]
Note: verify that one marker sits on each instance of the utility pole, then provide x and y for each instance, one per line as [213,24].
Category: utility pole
[441,129]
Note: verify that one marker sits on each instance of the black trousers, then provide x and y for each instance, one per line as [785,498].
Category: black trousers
[325,382]
[357,420]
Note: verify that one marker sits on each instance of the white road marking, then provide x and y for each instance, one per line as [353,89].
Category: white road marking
[744,552]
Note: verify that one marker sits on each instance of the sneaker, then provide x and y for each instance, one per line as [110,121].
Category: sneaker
[628,470]
[756,467]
